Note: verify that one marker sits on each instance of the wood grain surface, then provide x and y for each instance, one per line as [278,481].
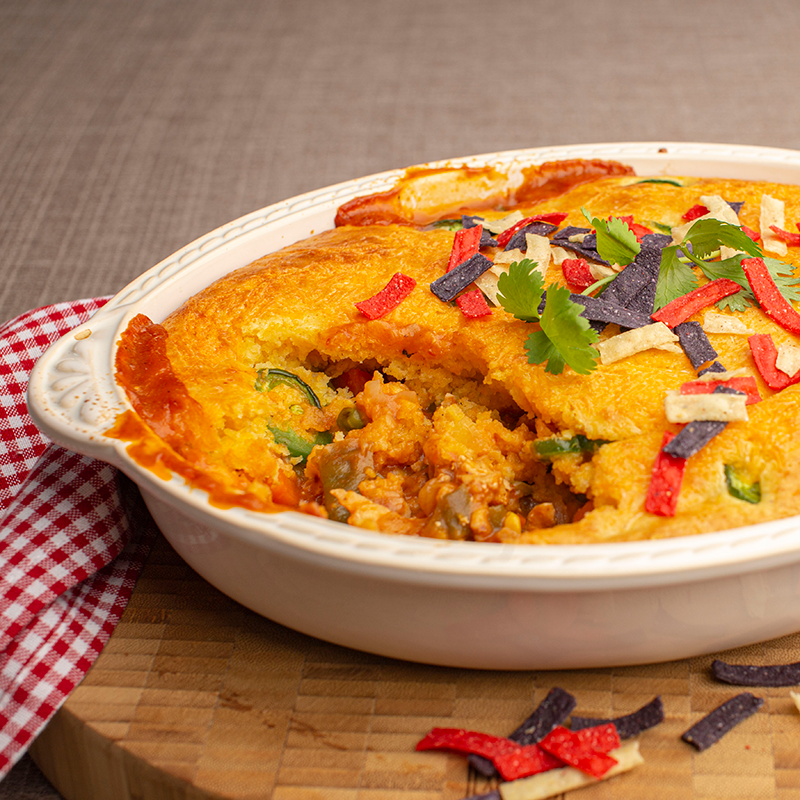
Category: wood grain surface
[196,697]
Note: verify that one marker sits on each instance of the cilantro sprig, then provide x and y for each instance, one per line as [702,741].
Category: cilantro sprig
[616,242]
[677,276]
[564,338]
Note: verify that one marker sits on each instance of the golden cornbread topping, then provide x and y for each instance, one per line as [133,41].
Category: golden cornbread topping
[613,358]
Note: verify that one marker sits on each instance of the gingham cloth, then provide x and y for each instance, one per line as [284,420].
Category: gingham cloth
[74,535]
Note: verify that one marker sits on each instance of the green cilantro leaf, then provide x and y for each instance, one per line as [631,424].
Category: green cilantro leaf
[540,350]
[520,290]
[569,335]
[783,274]
[785,279]
[675,278]
[616,242]
[707,235]
[565,337]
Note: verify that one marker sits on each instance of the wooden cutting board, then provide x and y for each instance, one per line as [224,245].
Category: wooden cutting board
[196,697]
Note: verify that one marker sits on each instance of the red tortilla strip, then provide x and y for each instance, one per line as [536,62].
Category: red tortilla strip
[554,218]
[665,482]
[473,304]
[464,741]
[680,309]
[754,235]
[637,230]
[765,355]
[695,212]
[574,750]
[772,302]
[746,384]
[387,299]
[527,760]
[466,244]
[792,239]
[577,273]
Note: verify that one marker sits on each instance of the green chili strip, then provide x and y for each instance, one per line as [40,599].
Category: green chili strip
[270,378]
[447,224]
[670,181]
[297,445]
[549,448]
[749,492]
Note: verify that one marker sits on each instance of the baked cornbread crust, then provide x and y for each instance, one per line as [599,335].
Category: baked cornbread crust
[453,409]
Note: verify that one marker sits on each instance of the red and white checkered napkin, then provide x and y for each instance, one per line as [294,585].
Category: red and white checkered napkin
[74,534]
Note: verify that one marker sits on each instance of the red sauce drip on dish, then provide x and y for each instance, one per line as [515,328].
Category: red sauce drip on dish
[384,209]
[541,182]
[554,178]
[168,432]
[374,209]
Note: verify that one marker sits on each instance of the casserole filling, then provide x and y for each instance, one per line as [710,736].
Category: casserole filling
[590,363]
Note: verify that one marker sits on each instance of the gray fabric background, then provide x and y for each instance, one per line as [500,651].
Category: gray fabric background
[127,129]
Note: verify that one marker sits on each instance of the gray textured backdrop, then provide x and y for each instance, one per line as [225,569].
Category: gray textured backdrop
[127,129]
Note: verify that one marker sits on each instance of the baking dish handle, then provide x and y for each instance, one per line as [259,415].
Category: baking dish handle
[72,395]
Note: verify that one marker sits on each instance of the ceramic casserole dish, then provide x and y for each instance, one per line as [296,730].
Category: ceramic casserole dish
[453,603]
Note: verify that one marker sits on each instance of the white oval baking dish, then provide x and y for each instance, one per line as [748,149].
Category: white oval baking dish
[461,604]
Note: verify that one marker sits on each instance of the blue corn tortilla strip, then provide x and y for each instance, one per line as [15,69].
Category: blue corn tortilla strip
[648,716]
[714,367]
[598,309]
[451,283]
[570,230]
[561,239]
[657,241]
[751,675]
[635,287]
[696,435]
[695,343]
[736,205]
[493,795]
[487,240]
[552,711]
[468,221]
[722,719]
[518,240]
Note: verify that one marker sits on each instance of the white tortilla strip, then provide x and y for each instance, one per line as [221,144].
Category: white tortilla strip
[634,341]
[563,779]
[509,256]
[500,225]
[713,322]
[600,271]
[538,251]
[773,212]
[559,254]
[741,372]
[669,347]
[788,360]
[682,408]
[487,283]
[795,699]
[718,209]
